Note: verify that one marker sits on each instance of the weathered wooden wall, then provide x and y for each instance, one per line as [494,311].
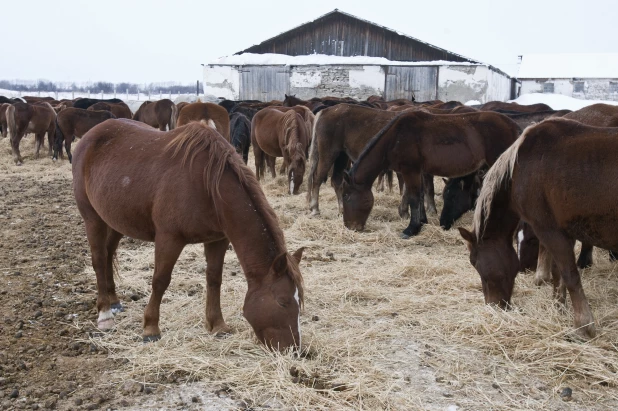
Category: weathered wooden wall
[264,83]
[340,34]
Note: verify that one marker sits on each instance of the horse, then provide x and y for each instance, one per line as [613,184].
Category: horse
[84,103]
[120,110]
[160,114]
[459,196]
[277,134]
[339,135]
[521,108]
[3,124]
[11,100]
[181,105]
[75,122]
[185,186]
[240,134]
[415,142]
[600,115]
[291,101]
[305,113]
[23,118]
[206,111]
[523,120]
[544,179]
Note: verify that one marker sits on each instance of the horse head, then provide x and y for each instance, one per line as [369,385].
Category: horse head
[273,308]
[357,203]
[496,262]
[459,196]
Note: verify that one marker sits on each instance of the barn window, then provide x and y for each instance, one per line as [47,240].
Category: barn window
[578,86]
[613,86]
[548,87]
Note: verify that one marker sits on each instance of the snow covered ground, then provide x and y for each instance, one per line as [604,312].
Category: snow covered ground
[558,101]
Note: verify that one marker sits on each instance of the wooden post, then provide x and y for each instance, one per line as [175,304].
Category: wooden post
[127,94]
[197,88]
[56,95]
[137,94]
[160,95]
[88,93]
[114,91]
[73,95]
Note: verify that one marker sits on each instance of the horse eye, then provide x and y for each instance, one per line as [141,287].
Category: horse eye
[282,304]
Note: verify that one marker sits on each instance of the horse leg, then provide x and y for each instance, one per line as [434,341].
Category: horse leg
[414,184]
[51,132]
[258,157]
[38,142]
[430,195]
[561,249]
[380,183]
[270,161]
[341,163]
[402,184]
[403,204]
[613,255]
[321,174]
[215,253]
[585,256]
[543,266]
[167,250]
[15,139]
[67,147]
[113,238]
[284,166]
[559,289]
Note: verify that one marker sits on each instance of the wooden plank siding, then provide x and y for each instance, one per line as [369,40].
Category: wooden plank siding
[264,83]
[419,82]
[341,34]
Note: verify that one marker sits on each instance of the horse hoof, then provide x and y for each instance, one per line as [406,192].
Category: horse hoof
[105,325]
[151,338]
[404,236]
[315,212]
[117,308]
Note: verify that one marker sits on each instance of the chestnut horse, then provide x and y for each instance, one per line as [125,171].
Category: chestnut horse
[305,113]
[206,111]
[277,134]
[520,108]
[120,110]
[23,118]
[185,186]
[339,135]
[75,122]
[415,142]
[158,114]
[544,179]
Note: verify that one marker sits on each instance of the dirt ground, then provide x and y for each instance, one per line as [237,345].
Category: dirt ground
[390,324]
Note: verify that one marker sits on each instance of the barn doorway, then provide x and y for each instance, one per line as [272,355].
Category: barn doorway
[264,83]
[417,82]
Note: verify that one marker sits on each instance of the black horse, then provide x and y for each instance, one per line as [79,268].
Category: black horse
[84,103]
[240,134]
[11,100]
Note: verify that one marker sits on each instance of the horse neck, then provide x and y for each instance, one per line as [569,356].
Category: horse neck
[372,161]
[502,221]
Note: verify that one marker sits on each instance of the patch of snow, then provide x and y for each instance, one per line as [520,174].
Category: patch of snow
[369,76]
[305,79]
[569,65]
[558,101]
[472,103]
[323,59]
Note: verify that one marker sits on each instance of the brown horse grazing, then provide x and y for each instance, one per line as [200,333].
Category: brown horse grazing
[160,114]
[120,110]
[182,187]
[277,134]
[305,113]
[415,142]
[339,135]
[499,105]
[4,127]
[23,118]
[206,111]
[544,180]
[75,122]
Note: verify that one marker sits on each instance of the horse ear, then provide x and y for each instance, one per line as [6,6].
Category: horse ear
[467,235]
[298,254]
[280,265]
[346,178]
[286,96]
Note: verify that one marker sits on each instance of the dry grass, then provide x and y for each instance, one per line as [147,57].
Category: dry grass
[401,323]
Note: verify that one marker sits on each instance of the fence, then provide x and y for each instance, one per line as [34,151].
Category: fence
[59,95]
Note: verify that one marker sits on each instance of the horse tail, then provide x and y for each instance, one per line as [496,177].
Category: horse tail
[10,120]
[389,180]
[173,116]
[314,156]
[498,178]
[59,138]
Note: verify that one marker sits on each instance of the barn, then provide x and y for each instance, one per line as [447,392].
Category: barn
[341,55]
[583,76]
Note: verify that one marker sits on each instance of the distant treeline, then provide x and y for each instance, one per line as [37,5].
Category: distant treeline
[97,87]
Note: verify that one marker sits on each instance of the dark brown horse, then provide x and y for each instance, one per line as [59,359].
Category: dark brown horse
[339,135]
[4,128]
[545,180]
[120,110]
[524,120]
[416,142]
[521,108]
[160,114]
[291,101]
[182,187]
[75,122]
[206,111]
[23,118]
[240,134]
[277,134]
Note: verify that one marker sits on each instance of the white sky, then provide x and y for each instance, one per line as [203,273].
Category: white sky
[153,41]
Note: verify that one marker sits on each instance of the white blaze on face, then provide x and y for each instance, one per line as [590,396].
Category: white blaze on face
[520,239]
[298,302]
[292,187]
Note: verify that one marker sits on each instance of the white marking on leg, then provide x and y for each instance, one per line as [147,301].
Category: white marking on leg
[520,239]
[298,302]
[106,320]
[292,184]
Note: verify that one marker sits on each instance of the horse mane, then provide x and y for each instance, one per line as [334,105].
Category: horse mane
[500,173]
[374,141]
[292,141]
[198,137]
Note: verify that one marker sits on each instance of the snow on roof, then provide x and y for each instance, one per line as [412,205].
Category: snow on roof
[569,65]
[558,101]
[323,59]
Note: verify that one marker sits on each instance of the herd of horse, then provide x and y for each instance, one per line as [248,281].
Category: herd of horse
[526,170]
